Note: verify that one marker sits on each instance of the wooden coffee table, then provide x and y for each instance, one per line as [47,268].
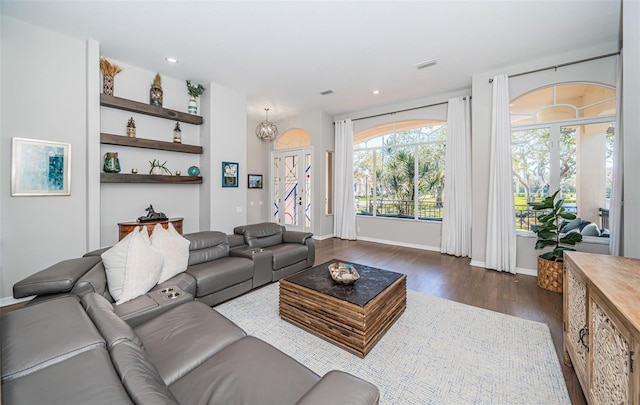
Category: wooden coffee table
[352,317]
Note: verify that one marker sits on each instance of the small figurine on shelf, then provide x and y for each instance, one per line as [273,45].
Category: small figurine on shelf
[155,94]
[194,92]
[109,72]
[177,133]
[131,128]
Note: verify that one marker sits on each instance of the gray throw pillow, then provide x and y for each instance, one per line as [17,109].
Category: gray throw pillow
[591,230]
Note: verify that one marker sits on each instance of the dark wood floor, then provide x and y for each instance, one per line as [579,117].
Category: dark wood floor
[454,279]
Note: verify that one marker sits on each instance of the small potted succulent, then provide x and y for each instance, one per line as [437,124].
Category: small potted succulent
[552,220]
[157,168]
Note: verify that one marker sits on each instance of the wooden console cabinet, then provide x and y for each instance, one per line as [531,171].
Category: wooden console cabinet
[602,325]
[124,228]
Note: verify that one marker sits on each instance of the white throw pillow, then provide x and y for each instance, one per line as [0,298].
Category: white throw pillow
[174,249]
[132,267]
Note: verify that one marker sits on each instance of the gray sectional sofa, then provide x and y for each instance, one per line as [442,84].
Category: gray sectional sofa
[65,352]
[221,267]
[73,345]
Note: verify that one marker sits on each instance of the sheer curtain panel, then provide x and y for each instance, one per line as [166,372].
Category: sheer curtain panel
[344,215]
[616,206]
[456,219]
[500,251]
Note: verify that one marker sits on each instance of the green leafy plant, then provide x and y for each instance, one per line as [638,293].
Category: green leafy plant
[195,91]
[551,224]
[156,163]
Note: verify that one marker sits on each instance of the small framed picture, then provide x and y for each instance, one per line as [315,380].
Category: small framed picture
[255,181]
[40,168]
[230,174]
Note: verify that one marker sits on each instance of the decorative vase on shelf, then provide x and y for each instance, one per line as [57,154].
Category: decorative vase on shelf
[155,93]
[107,85]
[193,105]
[156,170]
[194,171]
[111,162]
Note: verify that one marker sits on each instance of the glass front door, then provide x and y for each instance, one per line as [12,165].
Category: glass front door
[292,189]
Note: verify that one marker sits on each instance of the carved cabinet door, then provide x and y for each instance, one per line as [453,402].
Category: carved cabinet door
[577,333]
[610,358]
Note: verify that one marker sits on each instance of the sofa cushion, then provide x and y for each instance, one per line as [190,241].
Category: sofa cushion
[287,254]
[139,375]
[261,235]
[38,336]
[248,371]
[132,266]
[174,249]
[206,246]
[88,378]
[221,273]
[110,325]
[590,230]
[184,337]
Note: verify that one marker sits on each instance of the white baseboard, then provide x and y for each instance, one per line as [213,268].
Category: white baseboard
[404,244]
[519,270]
[322,237]
[6,301]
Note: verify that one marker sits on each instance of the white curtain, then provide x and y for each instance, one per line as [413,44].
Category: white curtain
[616,207]
[456,221]
[344,214]
[501,228]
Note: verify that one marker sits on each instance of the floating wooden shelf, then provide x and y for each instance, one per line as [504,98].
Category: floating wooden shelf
[110,139]
[148,178]
[142,108]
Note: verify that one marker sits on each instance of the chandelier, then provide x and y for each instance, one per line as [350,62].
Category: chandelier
[266,131]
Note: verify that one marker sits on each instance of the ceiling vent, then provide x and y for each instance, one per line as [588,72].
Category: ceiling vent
[324,93]
[427,63]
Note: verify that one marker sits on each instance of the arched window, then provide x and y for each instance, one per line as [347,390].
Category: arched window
[293,138]
[398,170]
[562,138]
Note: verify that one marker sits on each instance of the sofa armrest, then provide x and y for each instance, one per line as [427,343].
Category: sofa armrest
[59,278]
[296,237]
[338,387]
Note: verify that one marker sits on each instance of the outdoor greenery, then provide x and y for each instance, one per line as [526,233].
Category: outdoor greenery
[386,173]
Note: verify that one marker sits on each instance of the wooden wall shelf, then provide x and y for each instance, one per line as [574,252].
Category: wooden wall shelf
[148,178]
[142,108]
[110,139]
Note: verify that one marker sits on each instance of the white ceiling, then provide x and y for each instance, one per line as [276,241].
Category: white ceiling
[281,54]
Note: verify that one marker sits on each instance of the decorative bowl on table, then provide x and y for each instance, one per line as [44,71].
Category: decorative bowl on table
[343,273]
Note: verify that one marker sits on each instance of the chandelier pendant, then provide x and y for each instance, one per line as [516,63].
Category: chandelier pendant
[266,131]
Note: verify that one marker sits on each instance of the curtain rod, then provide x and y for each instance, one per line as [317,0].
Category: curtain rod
[407,109]
[561,65]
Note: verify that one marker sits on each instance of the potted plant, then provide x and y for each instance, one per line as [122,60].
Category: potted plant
[157,168]
[549,233]
[194,92]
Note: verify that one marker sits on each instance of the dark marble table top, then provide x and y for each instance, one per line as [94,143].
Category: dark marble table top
[371,283]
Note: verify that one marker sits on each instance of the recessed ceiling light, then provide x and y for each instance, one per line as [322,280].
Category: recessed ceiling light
[376,92]
[171,60]
[426,63]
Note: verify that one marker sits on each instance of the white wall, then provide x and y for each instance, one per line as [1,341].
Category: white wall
[124,202]
[43,86]
[258,161]
[601,71]
[228,131]
[631,126]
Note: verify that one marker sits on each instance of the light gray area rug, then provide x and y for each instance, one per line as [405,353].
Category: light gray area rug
[438,352]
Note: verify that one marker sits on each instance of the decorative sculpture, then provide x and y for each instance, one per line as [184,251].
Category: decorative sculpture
[152,215]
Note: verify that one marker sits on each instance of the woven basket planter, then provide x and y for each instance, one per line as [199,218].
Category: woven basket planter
[550,275]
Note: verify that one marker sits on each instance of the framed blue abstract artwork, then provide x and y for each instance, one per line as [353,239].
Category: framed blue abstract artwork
[40,168]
